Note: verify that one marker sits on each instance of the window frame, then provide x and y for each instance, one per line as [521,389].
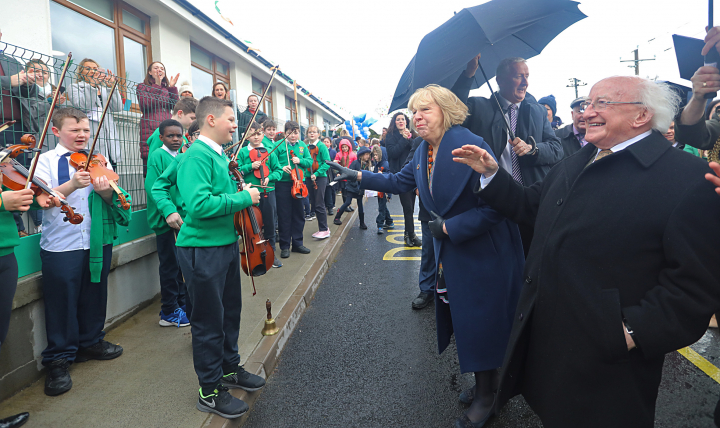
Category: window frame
[216,75]
[293,112]
[310,113]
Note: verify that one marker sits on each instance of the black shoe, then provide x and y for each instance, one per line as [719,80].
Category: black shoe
[337,221]
[221,403]
[467,396]
[416,242]
[380,231]
[408,240]
[15,421]
[285,253]
[301,249]
[57,380]
[243,380]
[465,422]
[390,225]
[103,350]
[350,209]
[363,226]
[421,301]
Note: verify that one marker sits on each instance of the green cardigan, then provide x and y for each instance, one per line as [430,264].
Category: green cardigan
[211,198]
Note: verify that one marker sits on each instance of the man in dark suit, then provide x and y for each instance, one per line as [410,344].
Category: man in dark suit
[620,272]
[572,137]
[528,164]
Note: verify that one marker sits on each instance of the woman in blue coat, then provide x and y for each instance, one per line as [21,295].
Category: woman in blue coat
[478,252]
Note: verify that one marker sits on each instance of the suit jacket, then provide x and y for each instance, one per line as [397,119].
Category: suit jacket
[482,258]
[397,148]
[486,120]
[633,236]
[568,140]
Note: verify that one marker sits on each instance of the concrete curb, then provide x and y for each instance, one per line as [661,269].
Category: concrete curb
[264,358]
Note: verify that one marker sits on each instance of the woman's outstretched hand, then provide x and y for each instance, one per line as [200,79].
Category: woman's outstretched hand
[476,158]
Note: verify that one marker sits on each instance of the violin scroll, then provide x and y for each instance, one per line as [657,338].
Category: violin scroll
[70,215]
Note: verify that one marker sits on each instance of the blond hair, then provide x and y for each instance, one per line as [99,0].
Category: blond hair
[453,110]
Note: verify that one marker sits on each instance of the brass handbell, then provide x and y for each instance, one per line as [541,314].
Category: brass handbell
[270,327]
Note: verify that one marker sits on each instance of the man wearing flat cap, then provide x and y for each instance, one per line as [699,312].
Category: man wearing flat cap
[572,137]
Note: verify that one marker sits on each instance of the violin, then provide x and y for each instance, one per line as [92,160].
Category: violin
[14,176]
[97,167]
[299,189]
[257,255]
[314,153]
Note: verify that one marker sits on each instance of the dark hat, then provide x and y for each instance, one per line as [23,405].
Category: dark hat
[362,150]
[577,101]
[549,101]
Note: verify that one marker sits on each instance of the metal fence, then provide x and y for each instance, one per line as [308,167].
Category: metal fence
[136,110]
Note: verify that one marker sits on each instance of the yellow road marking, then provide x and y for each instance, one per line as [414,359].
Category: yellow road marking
[700,362]
[390,255]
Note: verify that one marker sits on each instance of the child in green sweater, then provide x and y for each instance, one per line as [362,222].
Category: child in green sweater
[172,285]
[183,112]
[269,128]
[291,215]
[209,258]
[248,168]
[317,180]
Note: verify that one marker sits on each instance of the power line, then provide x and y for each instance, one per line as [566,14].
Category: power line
[574,83]
[637,61]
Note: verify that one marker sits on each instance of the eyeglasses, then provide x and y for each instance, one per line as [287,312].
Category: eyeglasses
[601,105]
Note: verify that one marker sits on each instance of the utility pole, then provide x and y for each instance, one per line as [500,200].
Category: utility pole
[637,61]
[574,83]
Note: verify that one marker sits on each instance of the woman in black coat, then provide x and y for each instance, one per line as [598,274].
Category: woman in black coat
[398,143]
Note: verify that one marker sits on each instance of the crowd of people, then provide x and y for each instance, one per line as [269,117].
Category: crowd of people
[564,260]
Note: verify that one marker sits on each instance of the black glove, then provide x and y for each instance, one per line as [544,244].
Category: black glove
[436,227]
[344,173]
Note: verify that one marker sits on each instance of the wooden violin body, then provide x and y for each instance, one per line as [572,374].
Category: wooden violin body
[257,255]
[260,154]
[315,165]
[299,189]
[97,167]
[14,177]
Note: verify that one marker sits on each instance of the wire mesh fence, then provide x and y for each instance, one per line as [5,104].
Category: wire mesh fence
[28,80]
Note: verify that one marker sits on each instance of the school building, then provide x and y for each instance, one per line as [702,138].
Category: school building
[125,36]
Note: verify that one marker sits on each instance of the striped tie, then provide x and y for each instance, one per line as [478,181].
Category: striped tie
[516,174]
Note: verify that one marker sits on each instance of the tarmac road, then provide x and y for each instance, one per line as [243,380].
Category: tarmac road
[361,357]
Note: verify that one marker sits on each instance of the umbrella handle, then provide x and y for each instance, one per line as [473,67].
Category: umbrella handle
[511,135]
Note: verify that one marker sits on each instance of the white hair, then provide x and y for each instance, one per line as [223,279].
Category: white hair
[660,100]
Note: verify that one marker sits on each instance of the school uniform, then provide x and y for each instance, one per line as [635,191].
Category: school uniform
[172,285]
[317,196]
[268,204]
[209,258]
[330,191]
[291,219]
[154,142]
[75,261]
[9,239]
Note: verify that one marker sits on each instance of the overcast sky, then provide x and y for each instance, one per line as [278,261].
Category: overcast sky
[352,53]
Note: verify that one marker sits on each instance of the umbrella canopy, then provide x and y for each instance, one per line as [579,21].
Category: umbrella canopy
[498,29]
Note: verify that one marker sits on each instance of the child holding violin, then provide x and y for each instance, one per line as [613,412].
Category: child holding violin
[172,285]
[209,257]
[294,159]
[76,257]
[317,181]
[260,167]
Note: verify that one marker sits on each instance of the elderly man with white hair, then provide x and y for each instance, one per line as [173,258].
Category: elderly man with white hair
[623,267]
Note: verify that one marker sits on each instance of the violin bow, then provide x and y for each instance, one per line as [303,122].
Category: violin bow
[262,99]
[100,123]
[33,165]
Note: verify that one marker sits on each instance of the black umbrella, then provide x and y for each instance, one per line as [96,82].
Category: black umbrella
[498,29]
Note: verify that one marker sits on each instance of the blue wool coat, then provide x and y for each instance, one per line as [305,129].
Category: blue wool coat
[482,259]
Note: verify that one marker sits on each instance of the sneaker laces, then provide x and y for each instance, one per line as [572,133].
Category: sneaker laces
[180,314]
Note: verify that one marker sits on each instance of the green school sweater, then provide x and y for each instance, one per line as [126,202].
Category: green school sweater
[301,151]
[268,143]
[248,175]
[211,198]
[322,156]
[158,162]
[155,143]
[9,238]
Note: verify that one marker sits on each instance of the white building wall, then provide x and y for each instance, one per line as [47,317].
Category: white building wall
[27,24]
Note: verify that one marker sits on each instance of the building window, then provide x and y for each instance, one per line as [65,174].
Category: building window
[258,87]
[310,117]
[114,34]
[208,69]
[290,112]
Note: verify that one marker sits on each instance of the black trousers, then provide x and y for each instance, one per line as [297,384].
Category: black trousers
[317,201]
[212,275]
[427,260]
[291,216]
[407,200]
[8,284]
[348,200]
[75,308]
[330,193]
[268,209]
[383,216]
[172,285]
